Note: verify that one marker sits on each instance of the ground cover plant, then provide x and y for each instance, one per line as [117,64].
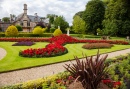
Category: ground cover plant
[15,62]
[24,43]
[97,45]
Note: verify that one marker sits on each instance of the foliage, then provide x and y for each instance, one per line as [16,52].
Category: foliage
[19,28]
[6,19]
[117,18]
[42,83]
[97,45]
[24,43]
[99,31]
[44,29]
[93,15]
[52,30]
[37,30]
[80,14]
[11,31]
[51,18]
[119,72]
[60,21]
[57,32]
[79,25]
[88,72]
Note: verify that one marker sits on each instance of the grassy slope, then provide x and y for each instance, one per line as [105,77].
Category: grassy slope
[13,61]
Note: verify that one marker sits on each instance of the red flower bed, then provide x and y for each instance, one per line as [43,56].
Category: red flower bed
[56,45]
[49,51]
[64,40]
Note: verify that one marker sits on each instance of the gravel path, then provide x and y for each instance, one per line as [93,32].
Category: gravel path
[2,53]
[39,72]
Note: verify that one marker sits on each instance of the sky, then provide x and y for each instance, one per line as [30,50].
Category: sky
[66,8]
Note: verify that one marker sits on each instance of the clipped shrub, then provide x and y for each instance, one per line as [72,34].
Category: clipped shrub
[52,30]
[97,45]
[37,30]
[89,72]
[57,32]
[19,28]
[44,29]
[11,31]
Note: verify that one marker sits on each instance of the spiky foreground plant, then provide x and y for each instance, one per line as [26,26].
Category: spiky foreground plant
[90,71]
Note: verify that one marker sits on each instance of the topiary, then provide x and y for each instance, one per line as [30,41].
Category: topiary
[19,28]
[11,31]
[37,30]
[44,29]
[57,32]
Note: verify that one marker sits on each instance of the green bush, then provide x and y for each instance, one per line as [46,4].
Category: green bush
[2,34]
[19,28]
[11,31]
[57,32]
[44,29]
[37,30]
[52,30]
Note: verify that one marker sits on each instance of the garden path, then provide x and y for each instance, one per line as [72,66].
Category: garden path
[2,53]
[42,71]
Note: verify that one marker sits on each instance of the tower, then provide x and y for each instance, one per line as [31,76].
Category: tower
[25,16]
[25,9]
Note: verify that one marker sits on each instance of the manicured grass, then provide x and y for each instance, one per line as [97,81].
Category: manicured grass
[13,61]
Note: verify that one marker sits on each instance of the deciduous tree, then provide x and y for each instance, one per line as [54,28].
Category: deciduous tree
[79,25]
[93,15]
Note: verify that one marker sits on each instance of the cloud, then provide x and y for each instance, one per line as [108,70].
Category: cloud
[67,8]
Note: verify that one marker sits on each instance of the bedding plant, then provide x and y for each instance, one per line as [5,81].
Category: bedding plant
[55,47]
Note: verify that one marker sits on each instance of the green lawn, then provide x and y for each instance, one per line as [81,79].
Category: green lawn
[13,61]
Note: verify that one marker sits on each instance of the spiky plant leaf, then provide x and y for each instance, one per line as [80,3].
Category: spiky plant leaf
[90,71]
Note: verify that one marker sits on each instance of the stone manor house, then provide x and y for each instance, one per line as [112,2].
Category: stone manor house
[28,22]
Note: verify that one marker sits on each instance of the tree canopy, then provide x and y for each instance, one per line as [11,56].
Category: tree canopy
[79,25]
[117,18]
[6,19]
[60,21]
[93,15]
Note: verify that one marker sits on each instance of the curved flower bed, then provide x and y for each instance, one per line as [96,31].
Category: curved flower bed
[52,49]
[56,45]
[97,45]
[24,43]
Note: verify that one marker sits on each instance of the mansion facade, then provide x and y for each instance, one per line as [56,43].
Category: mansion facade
[28,22]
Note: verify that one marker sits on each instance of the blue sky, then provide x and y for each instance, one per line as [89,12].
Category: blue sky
[67,8]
